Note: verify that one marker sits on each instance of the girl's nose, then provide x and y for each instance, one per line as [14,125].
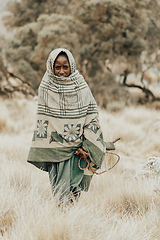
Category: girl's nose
[61,70]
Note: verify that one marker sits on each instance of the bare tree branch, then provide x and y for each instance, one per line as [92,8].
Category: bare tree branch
[24,87]
[148,92]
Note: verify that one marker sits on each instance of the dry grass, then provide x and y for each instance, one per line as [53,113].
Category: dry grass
[120,205]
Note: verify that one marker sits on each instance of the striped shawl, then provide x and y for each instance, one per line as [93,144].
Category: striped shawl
[67,118]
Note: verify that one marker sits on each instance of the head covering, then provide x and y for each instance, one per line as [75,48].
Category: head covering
[67,118]
[52,57]
[72,79]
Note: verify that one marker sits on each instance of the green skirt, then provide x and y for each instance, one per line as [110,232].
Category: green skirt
[67,179]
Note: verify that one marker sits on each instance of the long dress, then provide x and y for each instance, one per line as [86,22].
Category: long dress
[66,178]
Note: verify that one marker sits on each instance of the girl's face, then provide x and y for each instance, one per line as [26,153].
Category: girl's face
[62,67]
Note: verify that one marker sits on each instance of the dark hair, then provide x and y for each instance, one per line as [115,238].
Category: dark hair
[61,54]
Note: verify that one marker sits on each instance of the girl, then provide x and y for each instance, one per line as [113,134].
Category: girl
[67,120]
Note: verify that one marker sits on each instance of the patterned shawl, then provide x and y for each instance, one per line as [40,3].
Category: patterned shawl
[67,118]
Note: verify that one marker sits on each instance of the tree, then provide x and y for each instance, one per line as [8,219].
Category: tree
[119,29]
[11,84]
[95,31]
[33,42]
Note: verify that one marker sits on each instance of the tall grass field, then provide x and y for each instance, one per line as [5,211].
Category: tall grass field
[121,204]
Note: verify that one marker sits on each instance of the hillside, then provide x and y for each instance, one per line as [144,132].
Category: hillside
[121,204]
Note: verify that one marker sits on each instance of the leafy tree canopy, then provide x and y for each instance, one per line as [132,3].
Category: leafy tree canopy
[93,30]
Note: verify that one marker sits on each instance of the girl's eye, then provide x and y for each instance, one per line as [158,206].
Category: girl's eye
[57,67]
[65,67]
